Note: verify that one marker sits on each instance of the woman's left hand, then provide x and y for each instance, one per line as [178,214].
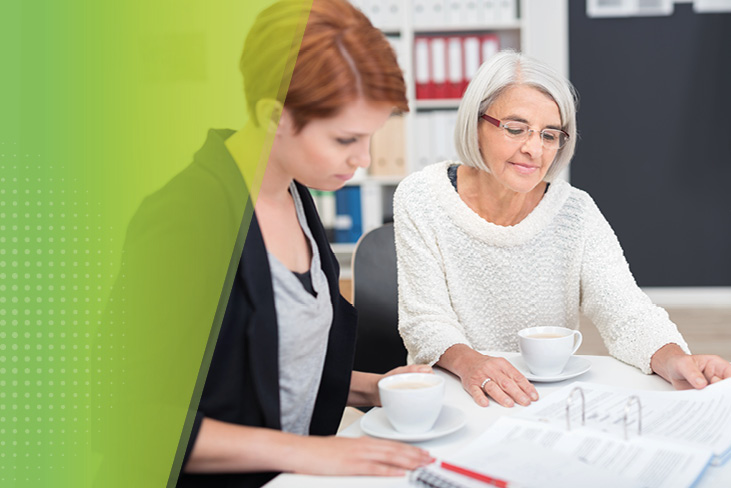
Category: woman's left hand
[364,386]
[412,368]
[685,371]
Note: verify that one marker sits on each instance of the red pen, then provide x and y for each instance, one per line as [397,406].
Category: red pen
[477,476]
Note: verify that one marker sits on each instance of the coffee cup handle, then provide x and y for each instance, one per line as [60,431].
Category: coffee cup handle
[577,338]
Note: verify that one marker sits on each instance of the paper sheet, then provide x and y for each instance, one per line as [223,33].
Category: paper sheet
[530,453]
[695,417]
[503,452]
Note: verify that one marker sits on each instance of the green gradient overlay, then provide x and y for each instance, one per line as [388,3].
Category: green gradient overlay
[101,104]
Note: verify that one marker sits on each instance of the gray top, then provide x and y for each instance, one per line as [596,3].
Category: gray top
[304,324]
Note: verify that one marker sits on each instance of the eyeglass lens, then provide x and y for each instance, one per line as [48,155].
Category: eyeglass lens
[552,138]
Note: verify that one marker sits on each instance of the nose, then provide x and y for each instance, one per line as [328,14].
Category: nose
[533,145]
[361,157]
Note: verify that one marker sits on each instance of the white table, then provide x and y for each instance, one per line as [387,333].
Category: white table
[605,370]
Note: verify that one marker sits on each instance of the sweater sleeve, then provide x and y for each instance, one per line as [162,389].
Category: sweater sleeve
[633,328]
[427,321]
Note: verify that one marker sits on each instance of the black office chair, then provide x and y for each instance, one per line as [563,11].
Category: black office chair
[379,347]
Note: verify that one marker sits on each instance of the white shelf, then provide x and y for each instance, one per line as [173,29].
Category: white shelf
[436,103]
[465,28]
[391,32]
[458,29]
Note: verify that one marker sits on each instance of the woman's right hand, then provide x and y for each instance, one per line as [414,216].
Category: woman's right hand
[346,456]
[222,447]
[506,384]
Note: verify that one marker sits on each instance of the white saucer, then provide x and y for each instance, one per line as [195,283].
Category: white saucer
[375,424]
[576,366]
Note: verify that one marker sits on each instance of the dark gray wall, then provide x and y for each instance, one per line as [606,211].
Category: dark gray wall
[654,146]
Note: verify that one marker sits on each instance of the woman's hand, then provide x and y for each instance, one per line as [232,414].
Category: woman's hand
[685,371]
[343,456]
[506,385]
[222,447]
[364,386]
[412,368]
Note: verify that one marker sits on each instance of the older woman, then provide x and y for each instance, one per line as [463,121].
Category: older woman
[497,243]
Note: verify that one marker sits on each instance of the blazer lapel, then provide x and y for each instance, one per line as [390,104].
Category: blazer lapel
[262,335]
[329,264]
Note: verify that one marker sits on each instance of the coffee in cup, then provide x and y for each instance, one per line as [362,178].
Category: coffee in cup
[546,350]
[412,401]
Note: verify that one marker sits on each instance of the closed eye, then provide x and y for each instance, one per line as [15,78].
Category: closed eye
[515,128]
[345,142]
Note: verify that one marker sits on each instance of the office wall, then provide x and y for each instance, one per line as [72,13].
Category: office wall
[655,138]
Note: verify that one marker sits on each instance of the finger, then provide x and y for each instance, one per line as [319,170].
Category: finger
[373,468]
[511,388]
[421,368]
[413,368]
[478,395]
[383,445]
[526,386]
[716,366]
[407,456]
[391,471]
[690,372]
[529,389]
[497,394]
[407,460]
[398,455]
[521,381]
[725,370]
[384,470]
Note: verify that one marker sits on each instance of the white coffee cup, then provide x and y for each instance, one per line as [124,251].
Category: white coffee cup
[412,401]
[546,350]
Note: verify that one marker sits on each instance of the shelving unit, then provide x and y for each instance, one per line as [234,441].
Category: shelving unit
[538,27]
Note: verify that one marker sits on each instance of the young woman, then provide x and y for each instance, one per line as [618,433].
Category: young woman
[281,372]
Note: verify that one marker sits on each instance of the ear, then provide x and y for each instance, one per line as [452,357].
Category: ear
[268,114]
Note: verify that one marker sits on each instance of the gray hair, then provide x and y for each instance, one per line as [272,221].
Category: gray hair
[503,70]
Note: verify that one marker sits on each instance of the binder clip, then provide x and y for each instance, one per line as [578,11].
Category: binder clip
[627,407]
[569,401]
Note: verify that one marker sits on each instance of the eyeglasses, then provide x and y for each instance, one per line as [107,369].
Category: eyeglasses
[551,138]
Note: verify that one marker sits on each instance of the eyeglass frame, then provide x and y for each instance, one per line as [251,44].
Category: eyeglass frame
[500,125]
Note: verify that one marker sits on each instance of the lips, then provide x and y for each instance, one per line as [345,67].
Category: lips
[524,168]
[345,177]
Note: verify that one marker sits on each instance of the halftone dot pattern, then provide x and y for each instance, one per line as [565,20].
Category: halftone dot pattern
[55,276]
[86,134]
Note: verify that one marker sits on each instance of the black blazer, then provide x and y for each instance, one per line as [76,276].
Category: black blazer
[242,385]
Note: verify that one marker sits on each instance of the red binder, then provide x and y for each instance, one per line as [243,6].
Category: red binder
[490,46]
[438,61]
[472,58]
[455,67]
[422,68]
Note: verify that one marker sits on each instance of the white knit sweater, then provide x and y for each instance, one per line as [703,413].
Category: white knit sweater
[463,280]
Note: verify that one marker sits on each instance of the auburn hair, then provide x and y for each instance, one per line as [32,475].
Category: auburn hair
[342,57]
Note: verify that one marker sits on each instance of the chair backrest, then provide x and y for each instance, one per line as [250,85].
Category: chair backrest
[379,347]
